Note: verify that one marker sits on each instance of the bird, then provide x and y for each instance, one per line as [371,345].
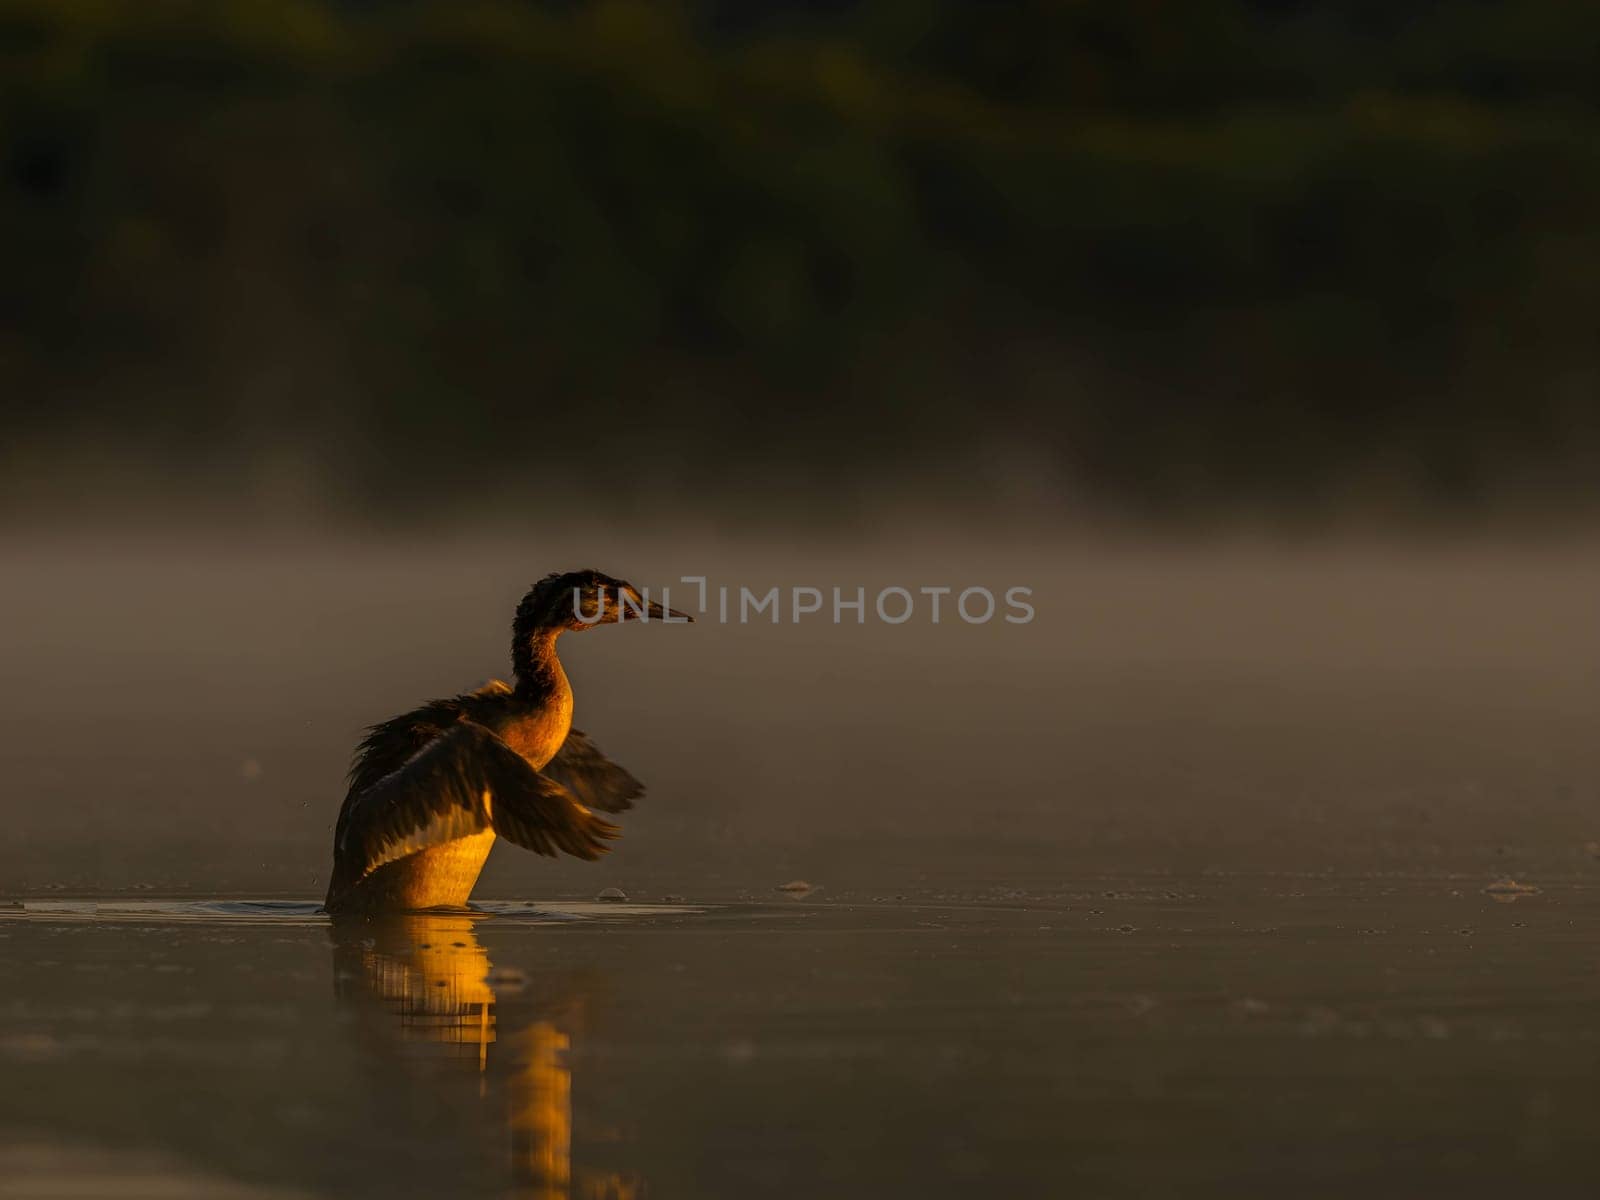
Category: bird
[432,789]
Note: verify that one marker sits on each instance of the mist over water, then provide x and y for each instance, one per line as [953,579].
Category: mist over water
[1241,860]
[182,710]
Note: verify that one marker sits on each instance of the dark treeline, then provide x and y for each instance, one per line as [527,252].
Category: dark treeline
[1158,257]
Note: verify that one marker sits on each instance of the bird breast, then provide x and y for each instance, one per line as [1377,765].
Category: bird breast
[538,733]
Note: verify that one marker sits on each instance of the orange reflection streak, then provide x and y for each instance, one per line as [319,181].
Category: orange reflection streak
[540,1111]
[439,990]
[431,975]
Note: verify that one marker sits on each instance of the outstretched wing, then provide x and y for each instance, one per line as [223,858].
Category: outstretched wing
[390,744]
[463,782]
[594,779]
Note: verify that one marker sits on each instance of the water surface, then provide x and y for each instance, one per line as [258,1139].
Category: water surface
[1177,891]
[1106,1037]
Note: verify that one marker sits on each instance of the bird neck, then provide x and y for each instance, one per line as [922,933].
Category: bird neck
[537,668]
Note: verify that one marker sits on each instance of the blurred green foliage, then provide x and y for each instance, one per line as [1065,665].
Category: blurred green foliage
[1173,256]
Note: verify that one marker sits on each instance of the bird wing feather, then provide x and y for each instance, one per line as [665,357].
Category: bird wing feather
[465,781]
[589,775]
[389,744]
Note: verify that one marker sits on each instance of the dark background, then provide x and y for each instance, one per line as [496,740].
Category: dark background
[1256,338]
[1107,260]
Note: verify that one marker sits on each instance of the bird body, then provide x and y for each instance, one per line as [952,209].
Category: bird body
[441,876]
[536,722]
[432,789]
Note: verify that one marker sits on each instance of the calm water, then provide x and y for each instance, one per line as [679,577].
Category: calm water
[1211,1036]
[1176,891]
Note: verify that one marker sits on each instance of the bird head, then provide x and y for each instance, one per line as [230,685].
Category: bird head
[578,600]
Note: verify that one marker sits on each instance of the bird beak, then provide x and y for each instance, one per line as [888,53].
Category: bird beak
[655,612]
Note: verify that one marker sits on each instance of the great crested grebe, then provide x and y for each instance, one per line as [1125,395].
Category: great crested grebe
[431,789]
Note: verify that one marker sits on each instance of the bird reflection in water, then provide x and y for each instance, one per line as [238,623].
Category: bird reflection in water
[440,998]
